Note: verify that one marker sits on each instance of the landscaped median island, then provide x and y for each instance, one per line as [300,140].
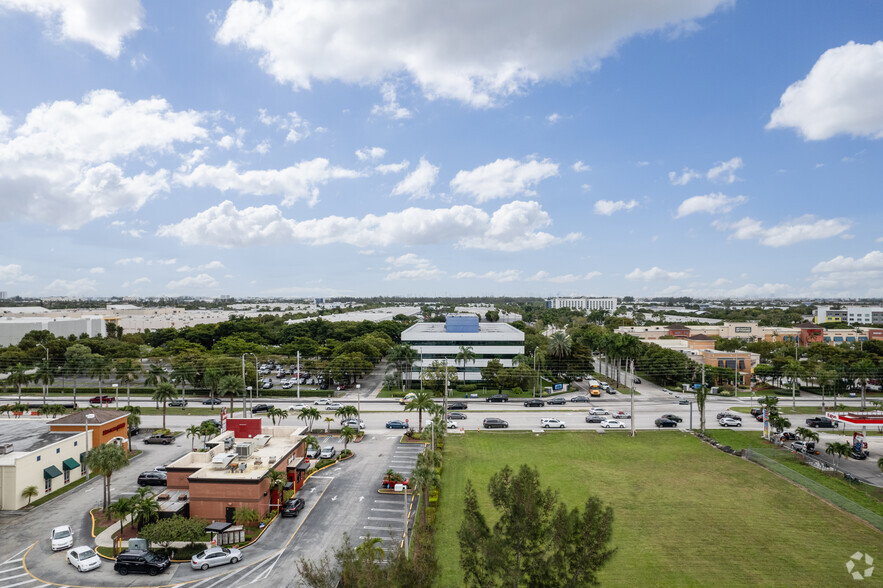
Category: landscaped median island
[685,513]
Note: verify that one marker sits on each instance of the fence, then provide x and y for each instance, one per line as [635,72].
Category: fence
[815,488]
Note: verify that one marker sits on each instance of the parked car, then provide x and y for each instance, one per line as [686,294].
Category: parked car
[609,390]
[215,556]
[215,422]
[456,416]
[292,506]
[821,422]
[788,436]
[683,402]
[61,538]
[804,447]
[396,425]
[211,401]
[598,410]
[552,423]
[595,418]
[728,415]
[622,415]
[457,406]
[672,417]
[313,452]
[261,408]
[666,423]
[353,423]
[754,412]
[134,430]
[495,423]
[728,422]
[637,380]
[557,401]
[178,402]
[497,398]
[153,478]
[451,424]
[140,561]
[612,424]
[83,558]
[101,400]
[298,406]
[328,452]
[160,439]
[534,402]
[580,399]
[266,385]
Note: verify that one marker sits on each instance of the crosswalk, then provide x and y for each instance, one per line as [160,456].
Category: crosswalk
[13,573]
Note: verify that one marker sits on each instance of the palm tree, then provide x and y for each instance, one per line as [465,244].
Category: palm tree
[145,507]
[346,411]
[880,463]
[163,393]
[245,516]
[559,345]
[44,376]
[277,482]
[231,386]
[864,369]
[208,429]
[347,434]
[370,549]
[831,449]
[277,413]
[310,441]
[77,358]
[29,492]
[18,377]
[105,460]
[402,357]
[422,401]
[309,415]
[328,421]
[155,376]
[193,431]
[212,378]
[127,372]
[464,356]
[182,374]
[824,376]
[99,367]
[425,477]
[122,508]
[807,434]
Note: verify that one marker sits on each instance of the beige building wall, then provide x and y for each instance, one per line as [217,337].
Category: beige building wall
[19,470]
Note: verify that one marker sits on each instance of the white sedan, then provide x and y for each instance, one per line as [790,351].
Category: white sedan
[215,556]
[62,538]
[333,406]
[598,410]
[728,422]
[83,558]
[552,423]
[452,424]
[323,401]
[612,424]
[298,406]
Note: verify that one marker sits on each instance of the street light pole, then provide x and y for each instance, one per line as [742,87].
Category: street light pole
[632,397]
[46,367]
[116,395]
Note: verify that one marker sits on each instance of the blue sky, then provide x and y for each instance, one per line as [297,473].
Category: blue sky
[676,147]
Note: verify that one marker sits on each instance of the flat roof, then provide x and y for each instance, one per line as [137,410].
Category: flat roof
[485,330]
[26,436]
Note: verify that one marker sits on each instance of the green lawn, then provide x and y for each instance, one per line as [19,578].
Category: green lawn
[686,514]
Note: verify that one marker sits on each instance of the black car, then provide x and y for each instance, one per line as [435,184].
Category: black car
[595,418]
[673,417]
[396,425]
[497,398]
[534,402]
[580,399]
[160,439]
[211,401]
[557,401]
[788,436]
[134,431]
[728,415]
[152,479]
[458,406]
[456,415]
[756,411]
[178,402]
[215,422]
[637,380]
[494,423]
[141,562]
[666,423]
[261,408]
[292,506]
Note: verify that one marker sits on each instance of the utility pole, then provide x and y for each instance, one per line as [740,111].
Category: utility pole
[701,408]
[444,402]
[794,383]
[405,503]
[632,396]
[244,396]
[298,375]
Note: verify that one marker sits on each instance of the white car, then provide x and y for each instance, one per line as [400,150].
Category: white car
[298,406]
[622,415]
[83,558]
[452,424]
[62,538]
[599,410]
[552,423]
[353,423]
[612,424]
[323,401]
[728,422]
[215,556]
[333,406]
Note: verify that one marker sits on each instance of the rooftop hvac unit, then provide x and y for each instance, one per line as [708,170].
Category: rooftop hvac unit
[243,450]
[6,448]
[242,467]
[222,460]
[261,440]
[228,442]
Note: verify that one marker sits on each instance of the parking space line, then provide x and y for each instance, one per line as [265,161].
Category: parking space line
[21,583]
[386,509]
[382,501]
[392,519]
[16,576]
[387,529]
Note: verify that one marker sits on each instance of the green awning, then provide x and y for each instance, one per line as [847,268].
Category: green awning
[83,456]
[70,464]
[51,472]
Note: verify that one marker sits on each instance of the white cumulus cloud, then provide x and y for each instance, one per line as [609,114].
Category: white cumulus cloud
[390,107]
[579,166]
[478,56]
[840,95]
[392,168]
[804,228]
[608,207]
[709,203]
[199,282]
[503,178]
[655,274]
[502,276]
[100,23]
[849,274]
[13,274]
[370,153]
[96,270]
[725,171]
[411,267]
[418,183]
[71,287]
[684,178]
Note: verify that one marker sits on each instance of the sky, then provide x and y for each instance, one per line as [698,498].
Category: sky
[707,148]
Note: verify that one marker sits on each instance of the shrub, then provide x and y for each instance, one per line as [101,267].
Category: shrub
[346,452]
[324,462]
[517,391]
[467,388]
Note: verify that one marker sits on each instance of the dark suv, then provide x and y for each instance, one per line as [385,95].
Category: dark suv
[493,423]
[141,562]
[292,507]
[152,479]
[497,398]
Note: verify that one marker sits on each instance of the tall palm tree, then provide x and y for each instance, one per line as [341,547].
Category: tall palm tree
[44,376]
[328,421]
[277,413]
[193,431]
[560,345]
[156,374]
[104,460]
[402,358]
[422,401]
[77,358]
[864,369]
[145,507]
[310,441]
[347,434]
[464,356]
[824,377]
[99,367]
[231,386]
[425,477]
[309,415]
[208,430]
[18,377]
[212,378]
[122,508]
[126,373]
[371,549]
[182,374]
[807,434]
[346,411]
[163,393]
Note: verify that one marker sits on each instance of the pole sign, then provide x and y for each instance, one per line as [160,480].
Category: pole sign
[766,423]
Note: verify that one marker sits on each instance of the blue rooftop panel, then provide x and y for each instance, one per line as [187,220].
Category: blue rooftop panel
[461,323]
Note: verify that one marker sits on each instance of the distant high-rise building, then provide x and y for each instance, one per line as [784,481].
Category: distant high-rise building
[2,294]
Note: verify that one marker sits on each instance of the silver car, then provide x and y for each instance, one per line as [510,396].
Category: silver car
[215,556]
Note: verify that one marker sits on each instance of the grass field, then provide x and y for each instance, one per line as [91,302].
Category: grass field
[686,514]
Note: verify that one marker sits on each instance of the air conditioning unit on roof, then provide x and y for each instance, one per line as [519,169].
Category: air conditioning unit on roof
[244,450]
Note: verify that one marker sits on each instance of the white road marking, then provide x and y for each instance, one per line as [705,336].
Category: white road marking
[386,509]
[393,519]
[15,576]
[382,501]
[20,583]
[333,499]
[263,575]
[361,498]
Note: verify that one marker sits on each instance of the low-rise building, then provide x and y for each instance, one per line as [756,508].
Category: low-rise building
[583,303]
[104,425]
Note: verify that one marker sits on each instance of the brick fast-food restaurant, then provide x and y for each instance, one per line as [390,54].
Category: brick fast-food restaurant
[233,472]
